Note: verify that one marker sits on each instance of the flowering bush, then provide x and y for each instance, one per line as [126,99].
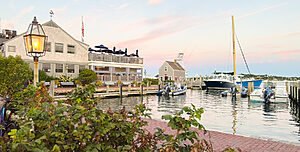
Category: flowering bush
[46,125]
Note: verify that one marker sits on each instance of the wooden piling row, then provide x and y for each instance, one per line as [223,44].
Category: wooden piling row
[294,92]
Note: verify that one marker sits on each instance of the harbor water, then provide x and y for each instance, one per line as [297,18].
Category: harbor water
[277,122]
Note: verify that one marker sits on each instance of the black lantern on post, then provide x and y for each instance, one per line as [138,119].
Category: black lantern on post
[35,41]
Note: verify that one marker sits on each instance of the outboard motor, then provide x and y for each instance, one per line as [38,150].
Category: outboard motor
[224,93]
[233,91]
[244,93]
[268,93]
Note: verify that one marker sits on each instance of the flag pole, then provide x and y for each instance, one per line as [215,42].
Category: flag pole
[82,30]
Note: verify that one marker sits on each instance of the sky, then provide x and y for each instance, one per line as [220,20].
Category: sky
[268,30]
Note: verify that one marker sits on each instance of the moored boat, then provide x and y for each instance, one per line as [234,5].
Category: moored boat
[256,83]
[178,91]
[172,90]
[220,81]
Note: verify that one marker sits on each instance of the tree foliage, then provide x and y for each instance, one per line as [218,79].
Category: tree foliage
[43,76]
[14,72]
[150,81]
[87,76]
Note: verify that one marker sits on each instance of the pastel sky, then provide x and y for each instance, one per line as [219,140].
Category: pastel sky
[268,30]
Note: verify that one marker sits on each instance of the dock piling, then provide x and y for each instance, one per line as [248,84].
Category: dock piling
[129,88]
[148,86]
[250,87]
[141,89]
[120,90]
[51,89]
[107,89]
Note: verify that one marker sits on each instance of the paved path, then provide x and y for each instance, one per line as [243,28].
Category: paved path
[222,140]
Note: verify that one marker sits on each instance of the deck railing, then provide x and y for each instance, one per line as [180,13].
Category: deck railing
[114,58]
[106,78]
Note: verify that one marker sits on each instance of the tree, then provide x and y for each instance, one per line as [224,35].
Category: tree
[44,77]
[14,72]
[87,76]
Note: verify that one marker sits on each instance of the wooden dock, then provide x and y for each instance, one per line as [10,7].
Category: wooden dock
[111,91]
[194,83]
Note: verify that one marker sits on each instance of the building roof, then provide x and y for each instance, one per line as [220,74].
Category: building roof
[175,65]
[53,24]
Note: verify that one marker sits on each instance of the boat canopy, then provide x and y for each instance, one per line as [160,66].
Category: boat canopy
[229,73]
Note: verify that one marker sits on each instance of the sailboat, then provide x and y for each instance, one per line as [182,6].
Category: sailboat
[227,80]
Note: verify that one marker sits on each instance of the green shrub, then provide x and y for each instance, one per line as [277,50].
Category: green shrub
[87,76]
[14,72]
[46,125]
[151,81]
[77,125]
[43,76]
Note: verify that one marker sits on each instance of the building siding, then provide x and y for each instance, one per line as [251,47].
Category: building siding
[55,35]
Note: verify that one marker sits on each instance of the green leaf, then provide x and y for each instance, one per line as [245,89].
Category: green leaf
[55,148]
[166,117]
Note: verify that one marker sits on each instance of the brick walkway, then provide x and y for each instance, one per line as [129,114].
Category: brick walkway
[222,140]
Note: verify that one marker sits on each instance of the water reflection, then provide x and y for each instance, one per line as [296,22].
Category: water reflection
[171,105]
[234,114]
[295,112]
[118,103]
[237,116]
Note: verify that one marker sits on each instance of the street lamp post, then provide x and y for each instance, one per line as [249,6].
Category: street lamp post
[35,41]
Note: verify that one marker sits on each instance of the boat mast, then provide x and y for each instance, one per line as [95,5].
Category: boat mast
[234,56]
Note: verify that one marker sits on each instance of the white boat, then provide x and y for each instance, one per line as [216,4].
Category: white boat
[280,94]
[173,90]
[178,91]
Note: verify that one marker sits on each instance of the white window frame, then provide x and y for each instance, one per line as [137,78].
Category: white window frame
[10,46]
[69,51]
[62,48]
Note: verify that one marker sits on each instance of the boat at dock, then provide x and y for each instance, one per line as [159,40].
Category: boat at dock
[279,94]
[227,80]
[256,83]
[220,81]
[174,90]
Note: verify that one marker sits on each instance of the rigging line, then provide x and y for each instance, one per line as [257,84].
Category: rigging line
[243,54]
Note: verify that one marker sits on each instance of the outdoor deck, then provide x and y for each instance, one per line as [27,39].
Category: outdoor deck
[220,141]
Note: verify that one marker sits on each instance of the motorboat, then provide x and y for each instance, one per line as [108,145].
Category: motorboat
[220,81]
[273,94]
[172,90]
[178,91]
